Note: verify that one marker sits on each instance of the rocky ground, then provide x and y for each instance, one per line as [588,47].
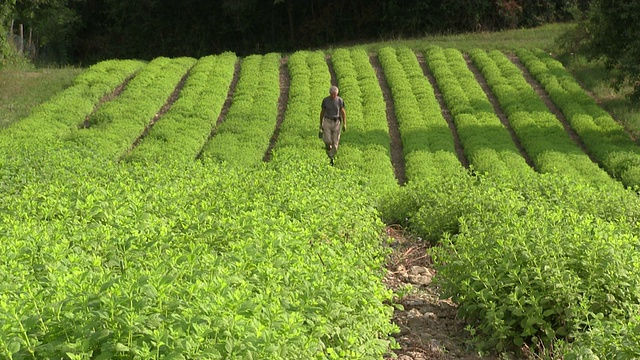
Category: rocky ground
[429,327]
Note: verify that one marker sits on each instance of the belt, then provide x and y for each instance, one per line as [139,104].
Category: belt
[333,118]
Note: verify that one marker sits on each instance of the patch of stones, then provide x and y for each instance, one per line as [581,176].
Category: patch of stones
[429,326]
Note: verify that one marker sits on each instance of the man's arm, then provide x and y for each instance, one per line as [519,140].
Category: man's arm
[343,115]
[321,116]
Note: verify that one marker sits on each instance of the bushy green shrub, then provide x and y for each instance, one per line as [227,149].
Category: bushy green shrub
[129,261]
[611,38]
[543,258]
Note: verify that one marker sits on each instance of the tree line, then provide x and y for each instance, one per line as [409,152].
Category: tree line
[85,31]
[82,32]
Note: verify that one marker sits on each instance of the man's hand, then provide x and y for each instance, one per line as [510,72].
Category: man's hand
[344,127]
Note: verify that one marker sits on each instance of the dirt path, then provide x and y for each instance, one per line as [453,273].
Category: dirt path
[429,327]
[285,81]
[110,96]
[397,158]
[445,111]
[226,105]
[498,109]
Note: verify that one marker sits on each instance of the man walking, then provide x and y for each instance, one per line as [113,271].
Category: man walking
[332,116]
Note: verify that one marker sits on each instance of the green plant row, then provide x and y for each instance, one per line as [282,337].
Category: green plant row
[539,131]
[68,109]
[117,124]
[309,83]
[185,128]
[605,139]
[243,137]
[365,146]
[487,144]
[427,141]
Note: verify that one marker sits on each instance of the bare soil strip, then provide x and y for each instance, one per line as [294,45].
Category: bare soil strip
[497,108]
[542,93]
[110,96]
[445,111]
[397,159]
[282,106]
[334,78]
[429,326]
[226,105]
[163,110]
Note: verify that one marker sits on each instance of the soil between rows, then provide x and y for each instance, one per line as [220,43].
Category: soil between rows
[112,95]
[163,110]
[397,157]
[282,106]
[497,109]
[546,99]
[227,103]
[446,114]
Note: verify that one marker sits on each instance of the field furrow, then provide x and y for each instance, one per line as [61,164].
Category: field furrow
[427,141]
[117,124]
[487,144]
[446,114]
[605,139]
[497,109]
[365,146]
[243,137]
[396,151]
[540,132]
[309,82]
[185,129]
[282,105]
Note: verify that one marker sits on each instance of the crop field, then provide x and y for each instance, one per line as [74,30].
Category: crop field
[185,208]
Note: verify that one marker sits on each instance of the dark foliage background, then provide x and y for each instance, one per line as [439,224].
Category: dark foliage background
[614,36]
[86,31]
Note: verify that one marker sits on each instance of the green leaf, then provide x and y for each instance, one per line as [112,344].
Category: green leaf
[211,353]
[149,290]
[121,348]
[228,346]
[176,355]
[561,331]
[517,341]
[13,347]
[246,307]
[107,285]
[142,280]
[99,335]
[106,355]
[167,279]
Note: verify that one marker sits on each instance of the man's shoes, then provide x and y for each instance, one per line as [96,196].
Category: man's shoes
[332,163]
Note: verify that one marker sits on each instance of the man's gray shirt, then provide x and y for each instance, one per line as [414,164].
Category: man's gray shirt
[332,106]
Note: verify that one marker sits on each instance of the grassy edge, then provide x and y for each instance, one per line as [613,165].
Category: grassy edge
[23,89]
